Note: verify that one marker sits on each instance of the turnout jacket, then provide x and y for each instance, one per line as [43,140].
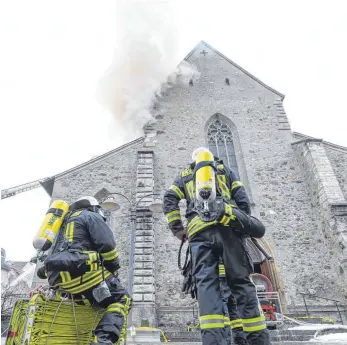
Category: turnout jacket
[89,253]
[229,187]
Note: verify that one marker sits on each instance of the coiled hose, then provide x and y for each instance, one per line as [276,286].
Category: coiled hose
[59,321]
[18,322]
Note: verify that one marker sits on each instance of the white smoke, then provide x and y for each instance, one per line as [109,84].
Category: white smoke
[147,53]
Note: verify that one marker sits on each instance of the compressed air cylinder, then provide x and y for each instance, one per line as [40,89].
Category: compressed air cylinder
[205,178]
[51,225]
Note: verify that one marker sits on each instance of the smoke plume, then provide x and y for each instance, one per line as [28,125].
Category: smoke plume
[146,55]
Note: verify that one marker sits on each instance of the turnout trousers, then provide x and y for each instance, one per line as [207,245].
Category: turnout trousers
[207,247]
[116,307]
[234,325]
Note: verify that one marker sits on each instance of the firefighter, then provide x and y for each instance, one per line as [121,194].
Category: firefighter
[86,264]
[223,237]
[233,322]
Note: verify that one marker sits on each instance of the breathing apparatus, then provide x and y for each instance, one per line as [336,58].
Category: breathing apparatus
[206,202]
[49,229]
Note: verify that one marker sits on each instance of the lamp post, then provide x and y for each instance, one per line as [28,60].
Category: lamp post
[111,205]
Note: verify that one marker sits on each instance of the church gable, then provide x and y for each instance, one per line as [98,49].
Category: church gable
[204,51]
[94,164]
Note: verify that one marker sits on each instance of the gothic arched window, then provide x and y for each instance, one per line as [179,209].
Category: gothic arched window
[220,142]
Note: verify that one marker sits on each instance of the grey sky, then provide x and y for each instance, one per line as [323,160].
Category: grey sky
[54,53]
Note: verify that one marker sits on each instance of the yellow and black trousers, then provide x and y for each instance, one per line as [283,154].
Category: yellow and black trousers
[207,247]
[233,321]
[117,306]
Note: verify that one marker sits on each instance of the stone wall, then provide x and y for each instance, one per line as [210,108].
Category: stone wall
[267,165]
[338,160]
[116,173]
[277,177]
[329,206]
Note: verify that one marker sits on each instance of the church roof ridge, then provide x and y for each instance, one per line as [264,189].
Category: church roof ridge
[237,66]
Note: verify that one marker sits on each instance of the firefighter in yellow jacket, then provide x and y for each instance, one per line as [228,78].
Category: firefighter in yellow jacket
[86,264]
[217,230]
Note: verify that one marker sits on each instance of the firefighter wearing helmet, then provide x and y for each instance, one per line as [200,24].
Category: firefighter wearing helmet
[218,217]
[86,264]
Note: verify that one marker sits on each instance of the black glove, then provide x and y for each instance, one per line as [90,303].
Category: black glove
[189,282]
[41,273]
[112,266]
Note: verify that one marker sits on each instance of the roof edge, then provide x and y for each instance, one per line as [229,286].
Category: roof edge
[326,143]
[101,157]
[237,66]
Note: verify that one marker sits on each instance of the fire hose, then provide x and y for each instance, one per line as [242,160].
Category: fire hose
[56,322]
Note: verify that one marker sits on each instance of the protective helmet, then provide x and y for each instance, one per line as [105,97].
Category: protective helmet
[197,151]
[87,202]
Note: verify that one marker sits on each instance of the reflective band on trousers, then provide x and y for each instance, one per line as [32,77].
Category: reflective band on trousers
[177,191]
[254,324]
[236,184]
[221,269]
[236,323]
[226,321]
[116,308]
[196,224]
[211,321]
[172,216]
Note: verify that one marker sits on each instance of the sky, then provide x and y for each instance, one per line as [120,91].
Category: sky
[59,59]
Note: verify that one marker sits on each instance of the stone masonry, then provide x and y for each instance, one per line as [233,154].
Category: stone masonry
[297,187]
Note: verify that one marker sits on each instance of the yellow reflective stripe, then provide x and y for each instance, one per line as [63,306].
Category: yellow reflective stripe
[94,267]
[186,172]
[76,213]
[222,183]
[177,191]
[254,327]
[213,325]
[236,184]
[254,324]
[172,213]
[86,277]
[65,276]
[236,323]
[119,305]
[211,317]
[196,224]
[172,216]
[225,220]
[254,319]
[87,285]
[226,320]
[221,269]
[212,321]
[69,231]
[190,189]
[174,219]
[111,255]
[115,310]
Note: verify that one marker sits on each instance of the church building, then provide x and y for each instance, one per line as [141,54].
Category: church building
[297,185]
